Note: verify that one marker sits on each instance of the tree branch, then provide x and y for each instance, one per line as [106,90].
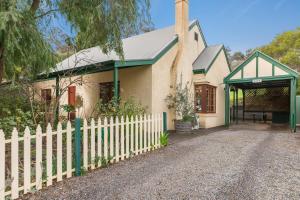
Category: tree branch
[35,5]
[46,13]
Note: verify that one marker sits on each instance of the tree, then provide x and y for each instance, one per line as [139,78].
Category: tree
[285,48]
[26,29]
[238,56]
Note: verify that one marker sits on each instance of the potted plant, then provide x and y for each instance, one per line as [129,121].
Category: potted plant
[182,102]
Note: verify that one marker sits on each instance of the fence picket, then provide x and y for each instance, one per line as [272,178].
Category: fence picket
[159,128]
[93,144]
[127,137]
[152,130]
[69,149]
[117,150]
[145,134]
[136,135]
[49,155]
[38,158]
[156,130]
[149,133]
[14,164]
[27,161]
[59,152]
[141,135]
[111,139]
[105,139]
[85,145]
[2,165]
[99,137]
[131,135]
[122,138]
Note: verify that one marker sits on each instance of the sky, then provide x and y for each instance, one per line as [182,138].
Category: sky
[238,24]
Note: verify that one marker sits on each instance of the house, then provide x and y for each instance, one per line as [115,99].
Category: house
[154,61]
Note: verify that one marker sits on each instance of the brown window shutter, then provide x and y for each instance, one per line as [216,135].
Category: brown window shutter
[72,95]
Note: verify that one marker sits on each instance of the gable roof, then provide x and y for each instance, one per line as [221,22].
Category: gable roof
[274,64]
[141,49]
[206,58]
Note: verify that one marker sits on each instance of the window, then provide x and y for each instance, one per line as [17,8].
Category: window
[196,36]
[205,98]
[46,96]
[107,91]
[72,101]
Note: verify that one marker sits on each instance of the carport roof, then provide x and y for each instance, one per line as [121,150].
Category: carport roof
[260,80]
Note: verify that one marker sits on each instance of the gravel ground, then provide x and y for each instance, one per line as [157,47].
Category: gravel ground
[227,164]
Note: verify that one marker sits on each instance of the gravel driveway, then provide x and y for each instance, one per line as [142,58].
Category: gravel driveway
[227,164]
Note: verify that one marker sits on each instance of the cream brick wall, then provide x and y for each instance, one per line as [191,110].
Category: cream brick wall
[215,77]
[90,91]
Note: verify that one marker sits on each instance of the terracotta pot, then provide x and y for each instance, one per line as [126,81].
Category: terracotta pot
[182,127]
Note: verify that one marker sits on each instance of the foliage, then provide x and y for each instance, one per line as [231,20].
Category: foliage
[25,50]
[29,34]
[182,102]
[17,110]
[164,139]
[68,108]
[118,107]
[285,48]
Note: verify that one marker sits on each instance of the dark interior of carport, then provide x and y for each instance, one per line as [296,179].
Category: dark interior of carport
[267,102]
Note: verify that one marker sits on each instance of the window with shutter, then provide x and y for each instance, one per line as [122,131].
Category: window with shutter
[205,98]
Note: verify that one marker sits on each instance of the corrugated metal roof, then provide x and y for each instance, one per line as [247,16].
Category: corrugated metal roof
[206,57]
[141,47]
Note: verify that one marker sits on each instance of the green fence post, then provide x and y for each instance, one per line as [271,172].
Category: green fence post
[165,121]
[77,147]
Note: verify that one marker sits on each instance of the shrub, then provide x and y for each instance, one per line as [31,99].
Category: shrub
[15,109]
[182,102]
[118,107]
[164,139]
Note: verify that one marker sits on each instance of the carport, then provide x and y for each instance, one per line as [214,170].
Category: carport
[261,89]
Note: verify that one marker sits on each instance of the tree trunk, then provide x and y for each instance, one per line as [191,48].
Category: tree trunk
[1,64]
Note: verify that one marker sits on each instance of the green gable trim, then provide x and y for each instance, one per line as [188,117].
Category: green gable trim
[128,63]
[203,71]
[199,71]
[196,23]
[266,78]
[278,64]
[257,54]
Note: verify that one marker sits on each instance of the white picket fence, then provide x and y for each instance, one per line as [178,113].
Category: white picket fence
[33,161]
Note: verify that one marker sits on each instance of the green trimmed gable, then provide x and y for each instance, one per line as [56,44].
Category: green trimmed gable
[260,66]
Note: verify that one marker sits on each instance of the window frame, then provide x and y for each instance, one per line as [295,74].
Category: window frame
[207,91]
[46,96]
[109,84]
[196,36]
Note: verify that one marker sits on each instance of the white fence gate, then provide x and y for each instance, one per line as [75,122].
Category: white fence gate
[32,160]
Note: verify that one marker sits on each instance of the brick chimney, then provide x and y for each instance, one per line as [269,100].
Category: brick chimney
[182,19]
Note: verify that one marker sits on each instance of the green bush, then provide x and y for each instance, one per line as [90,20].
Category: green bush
[118,107]
[15,110]
[164,139]
[182,102]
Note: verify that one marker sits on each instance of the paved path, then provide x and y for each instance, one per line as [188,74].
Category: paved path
[228,164]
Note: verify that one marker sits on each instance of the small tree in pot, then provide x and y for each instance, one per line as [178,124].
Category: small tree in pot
[182,101]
